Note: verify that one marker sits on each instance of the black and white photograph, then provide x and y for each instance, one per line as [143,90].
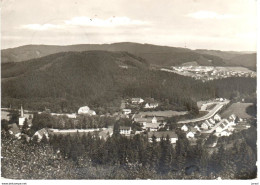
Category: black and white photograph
[129,90]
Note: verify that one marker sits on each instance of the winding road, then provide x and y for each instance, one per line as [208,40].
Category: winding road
[210,114]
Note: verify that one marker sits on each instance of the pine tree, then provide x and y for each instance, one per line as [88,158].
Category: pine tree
[44,139]
[25,126]
[14,116]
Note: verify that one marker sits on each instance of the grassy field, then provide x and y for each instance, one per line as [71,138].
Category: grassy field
[209,107]
[239,109]
[168,113]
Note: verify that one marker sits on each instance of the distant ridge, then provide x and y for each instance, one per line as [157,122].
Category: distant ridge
[153,54]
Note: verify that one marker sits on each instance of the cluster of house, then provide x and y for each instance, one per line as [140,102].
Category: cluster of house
[15,129]
[190,131]
[147,123]
[158,135]
[149,104]
[217,125]
[206,73]
[151,125]
[82,111]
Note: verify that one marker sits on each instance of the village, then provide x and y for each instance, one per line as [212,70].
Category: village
[151,123]
[206,73]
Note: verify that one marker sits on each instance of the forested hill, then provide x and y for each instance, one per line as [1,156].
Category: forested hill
[157,55]
[65,81]
[246,60]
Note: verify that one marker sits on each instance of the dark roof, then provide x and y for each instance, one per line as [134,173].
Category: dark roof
[14,128]
[191,129]
[164,134]
[149,119]
[104,133]
[124,128]
[152,125]
[152,104]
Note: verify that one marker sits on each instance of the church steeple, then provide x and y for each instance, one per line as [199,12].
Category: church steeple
[21,118]
[22,115]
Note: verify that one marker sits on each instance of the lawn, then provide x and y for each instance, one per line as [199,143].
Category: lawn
[239,109]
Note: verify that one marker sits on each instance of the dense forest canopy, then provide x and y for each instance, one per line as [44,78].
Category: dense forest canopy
[65,81]
[118,157]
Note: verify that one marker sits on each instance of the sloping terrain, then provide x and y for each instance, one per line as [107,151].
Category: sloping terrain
[65,81]
[158,55]
[246,60]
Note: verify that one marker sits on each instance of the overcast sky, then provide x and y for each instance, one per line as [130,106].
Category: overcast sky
[208,24]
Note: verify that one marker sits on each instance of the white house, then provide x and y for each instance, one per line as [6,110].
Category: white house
[126,111]
[217,117]
[223,125]
[209,123]
[225,133]
[190,135]
[104,134]
[196,127]
[154,120]
[124,130]
[137,100]
[145,120]
[83,110]
[151,105]
[86,110]
[204,126]
[163,135]
[212,121]
[14,130]
[40,134]
[184,128]
[232,119]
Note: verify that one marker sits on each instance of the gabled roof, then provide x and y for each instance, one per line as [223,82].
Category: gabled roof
[85,108]
[163,134]
[152,125]
[217,115]
[152,104]
[211,120]
[147,120]
[42,132]
[124,128]
[184,126]
[104,133]
[232,116]
[14,128]
[191,129]
[204,124]
[223,123]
